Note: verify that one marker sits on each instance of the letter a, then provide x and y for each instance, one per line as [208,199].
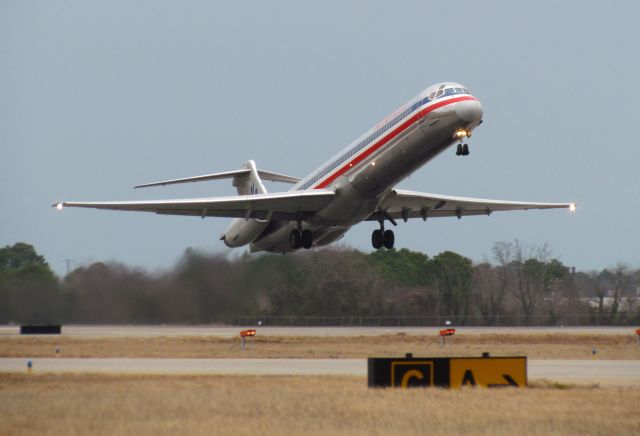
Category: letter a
[468,379]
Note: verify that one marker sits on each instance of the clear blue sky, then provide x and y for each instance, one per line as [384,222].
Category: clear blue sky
[98,96]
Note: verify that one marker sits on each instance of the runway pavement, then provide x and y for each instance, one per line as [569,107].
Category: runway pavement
[232,331]
[603,372]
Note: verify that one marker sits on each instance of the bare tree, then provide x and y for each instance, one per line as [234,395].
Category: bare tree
[489,289]
[617,281]
[524,271]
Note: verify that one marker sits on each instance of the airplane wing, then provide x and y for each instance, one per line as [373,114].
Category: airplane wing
[402,204]
[279,206]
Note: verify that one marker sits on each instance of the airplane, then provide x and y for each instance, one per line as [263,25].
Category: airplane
[355,185]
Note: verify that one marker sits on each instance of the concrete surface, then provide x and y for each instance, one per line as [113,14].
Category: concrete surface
[604,372]
[226,331]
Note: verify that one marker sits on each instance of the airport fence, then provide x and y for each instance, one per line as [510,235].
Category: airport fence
[435,321]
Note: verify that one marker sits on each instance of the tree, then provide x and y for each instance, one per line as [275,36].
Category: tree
[453,274]
[330,282]
[617,281]
[488,290]
[532,273]
[403,266]
[28,288]
[20,255]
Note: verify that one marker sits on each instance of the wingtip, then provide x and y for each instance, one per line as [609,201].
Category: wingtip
[59,205]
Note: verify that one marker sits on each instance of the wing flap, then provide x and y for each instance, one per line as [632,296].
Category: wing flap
[403,204]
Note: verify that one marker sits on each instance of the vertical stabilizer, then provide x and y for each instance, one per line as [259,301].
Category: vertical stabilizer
[250,183]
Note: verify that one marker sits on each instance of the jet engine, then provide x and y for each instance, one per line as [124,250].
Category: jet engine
[243,231]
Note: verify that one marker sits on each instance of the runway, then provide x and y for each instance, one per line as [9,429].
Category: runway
[231,331]
[603,372]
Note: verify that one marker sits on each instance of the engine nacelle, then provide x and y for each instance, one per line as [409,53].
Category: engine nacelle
[242,231]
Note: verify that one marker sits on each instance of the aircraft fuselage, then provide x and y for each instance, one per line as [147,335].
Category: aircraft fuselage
[363,173]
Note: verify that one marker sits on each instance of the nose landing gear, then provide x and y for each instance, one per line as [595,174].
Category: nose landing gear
[462,149]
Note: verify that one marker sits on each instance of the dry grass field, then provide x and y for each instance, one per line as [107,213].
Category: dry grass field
[534,345]
[244,405]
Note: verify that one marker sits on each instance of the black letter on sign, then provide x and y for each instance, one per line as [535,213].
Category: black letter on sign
[468,379]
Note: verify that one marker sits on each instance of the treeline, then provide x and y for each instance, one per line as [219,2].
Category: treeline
[522,285]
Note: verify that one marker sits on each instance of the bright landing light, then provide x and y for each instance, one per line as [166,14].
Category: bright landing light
[59,206]
[572,207]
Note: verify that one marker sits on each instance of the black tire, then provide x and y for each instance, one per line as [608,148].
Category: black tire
[376,239]
[459,150]
[465,150]
[307,238]
[389,239]
[295,239]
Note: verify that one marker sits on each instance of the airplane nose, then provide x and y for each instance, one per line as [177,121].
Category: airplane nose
[469,110]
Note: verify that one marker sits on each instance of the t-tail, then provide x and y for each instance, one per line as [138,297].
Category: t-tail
[249,183]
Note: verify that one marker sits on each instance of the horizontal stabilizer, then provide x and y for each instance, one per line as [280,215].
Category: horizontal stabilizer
[265,175]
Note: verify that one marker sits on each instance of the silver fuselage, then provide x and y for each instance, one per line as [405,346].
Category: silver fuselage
[364,173]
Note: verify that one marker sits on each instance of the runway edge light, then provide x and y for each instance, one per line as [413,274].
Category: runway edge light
[444,333]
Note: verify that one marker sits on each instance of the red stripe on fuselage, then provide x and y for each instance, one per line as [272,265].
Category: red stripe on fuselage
[399,129]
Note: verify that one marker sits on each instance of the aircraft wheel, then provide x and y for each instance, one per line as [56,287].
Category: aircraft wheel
[376,239]
[307,238]
[459,150]
[388,239]
[465,150]
[295,239]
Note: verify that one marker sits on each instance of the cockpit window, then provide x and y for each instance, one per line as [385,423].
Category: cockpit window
[444,90]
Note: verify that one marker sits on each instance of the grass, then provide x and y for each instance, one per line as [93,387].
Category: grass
[244,405]
[535,346]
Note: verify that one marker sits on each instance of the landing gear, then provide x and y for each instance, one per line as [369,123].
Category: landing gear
[295,239]
[388,239]
[462,149]
[377,239]
[307,238]
[301,238]
[382,237]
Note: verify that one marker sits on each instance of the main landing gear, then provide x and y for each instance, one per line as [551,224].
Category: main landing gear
[301,238]
[382,237]
[462,149]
